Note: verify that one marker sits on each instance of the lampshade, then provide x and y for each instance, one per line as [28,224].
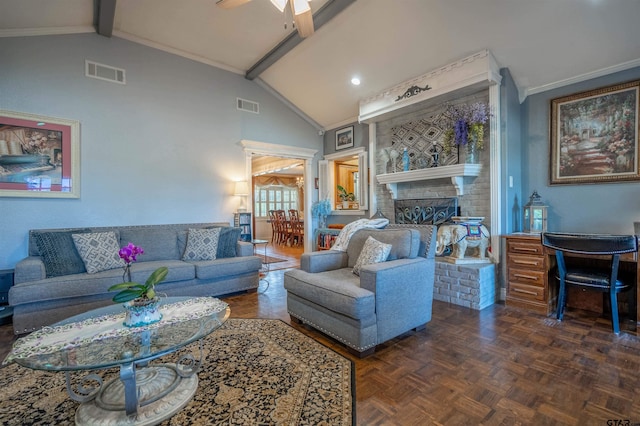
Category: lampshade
[242,188]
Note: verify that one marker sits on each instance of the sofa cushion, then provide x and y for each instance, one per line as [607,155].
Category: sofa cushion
[178,271]
[202,244]
[337,290]
[219,268]
[59,253]
[227,242]
[98,250]
[373,252]
[158,244]
[405,243]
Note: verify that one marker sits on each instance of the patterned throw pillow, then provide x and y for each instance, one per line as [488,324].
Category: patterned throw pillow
[372,252]
[58,252]
[202,244]
[98,250]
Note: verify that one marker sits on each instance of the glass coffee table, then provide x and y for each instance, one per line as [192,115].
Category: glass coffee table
[144,393]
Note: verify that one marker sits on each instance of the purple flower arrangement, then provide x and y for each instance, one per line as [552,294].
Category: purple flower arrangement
[129,254]
[466,124]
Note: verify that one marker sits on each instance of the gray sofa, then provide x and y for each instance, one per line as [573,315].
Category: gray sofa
[38,301]
[385,301]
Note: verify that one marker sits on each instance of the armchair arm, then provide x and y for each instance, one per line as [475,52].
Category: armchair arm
[29,269]
[404,293]
[321,261]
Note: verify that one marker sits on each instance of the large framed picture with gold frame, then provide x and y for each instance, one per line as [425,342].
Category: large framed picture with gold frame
[39,156]
[594,136]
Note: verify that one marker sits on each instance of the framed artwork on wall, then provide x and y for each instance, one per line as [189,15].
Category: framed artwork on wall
[344,138]
[594,136]
[39,156]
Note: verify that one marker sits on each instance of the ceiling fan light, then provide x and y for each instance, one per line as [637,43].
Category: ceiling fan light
[300,6]
[280,4]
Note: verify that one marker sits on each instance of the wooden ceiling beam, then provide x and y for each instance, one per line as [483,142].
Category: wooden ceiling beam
[104,15]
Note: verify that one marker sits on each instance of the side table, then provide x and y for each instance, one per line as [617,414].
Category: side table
[264,271]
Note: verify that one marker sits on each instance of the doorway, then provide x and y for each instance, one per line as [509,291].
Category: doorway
[277,184]
[284,154]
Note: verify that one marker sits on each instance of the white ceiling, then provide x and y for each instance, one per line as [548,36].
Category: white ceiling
[544,43]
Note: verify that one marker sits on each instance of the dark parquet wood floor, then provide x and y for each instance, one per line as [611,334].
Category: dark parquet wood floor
[499,366]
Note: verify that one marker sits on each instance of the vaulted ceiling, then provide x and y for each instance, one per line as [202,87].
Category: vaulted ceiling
[544,43]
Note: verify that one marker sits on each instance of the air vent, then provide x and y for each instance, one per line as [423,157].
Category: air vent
[104,72]
[248,106]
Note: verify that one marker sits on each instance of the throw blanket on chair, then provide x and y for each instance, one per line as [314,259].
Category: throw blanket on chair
[342,241]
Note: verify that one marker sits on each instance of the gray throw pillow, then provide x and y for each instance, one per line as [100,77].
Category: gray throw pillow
[98,250]
[59,253]
[228,241]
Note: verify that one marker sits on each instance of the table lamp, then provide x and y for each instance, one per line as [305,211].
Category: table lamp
[242,191]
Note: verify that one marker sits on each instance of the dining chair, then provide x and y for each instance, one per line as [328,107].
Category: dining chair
[284,230]
[604,279]
[274,226]
[297,227]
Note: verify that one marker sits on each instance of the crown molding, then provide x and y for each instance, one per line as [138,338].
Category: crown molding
[177,52]
[25,32]
[580,78]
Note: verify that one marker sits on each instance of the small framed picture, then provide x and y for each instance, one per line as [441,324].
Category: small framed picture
[344,138]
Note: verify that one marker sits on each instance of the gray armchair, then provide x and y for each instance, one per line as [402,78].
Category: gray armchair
[386,300]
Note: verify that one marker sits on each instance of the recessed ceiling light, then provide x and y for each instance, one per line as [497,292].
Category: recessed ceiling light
[355,81]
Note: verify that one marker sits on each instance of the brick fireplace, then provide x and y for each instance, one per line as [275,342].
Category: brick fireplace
[470,285]
[410,118]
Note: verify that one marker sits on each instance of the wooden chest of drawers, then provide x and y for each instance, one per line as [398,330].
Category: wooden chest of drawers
[527,274]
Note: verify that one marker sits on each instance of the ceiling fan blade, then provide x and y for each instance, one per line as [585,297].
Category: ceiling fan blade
[304,21]
[230,4]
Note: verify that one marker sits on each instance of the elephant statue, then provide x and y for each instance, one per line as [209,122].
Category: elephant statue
[460,237]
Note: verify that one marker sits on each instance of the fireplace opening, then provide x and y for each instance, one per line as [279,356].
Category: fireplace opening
[426,211]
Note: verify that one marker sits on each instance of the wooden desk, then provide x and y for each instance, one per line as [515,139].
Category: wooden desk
[529,285]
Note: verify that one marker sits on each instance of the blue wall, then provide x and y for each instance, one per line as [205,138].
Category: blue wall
[160,149]
[604,208]
[511,154]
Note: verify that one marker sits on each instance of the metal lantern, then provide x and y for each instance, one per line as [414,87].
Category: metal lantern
[535,214]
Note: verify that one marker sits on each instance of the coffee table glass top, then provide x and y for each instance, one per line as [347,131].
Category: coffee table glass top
[97,339]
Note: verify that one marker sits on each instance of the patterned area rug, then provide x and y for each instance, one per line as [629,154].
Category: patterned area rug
[270,259]
[255,372]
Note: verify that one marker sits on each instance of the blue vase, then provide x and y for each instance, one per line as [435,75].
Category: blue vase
[405,160]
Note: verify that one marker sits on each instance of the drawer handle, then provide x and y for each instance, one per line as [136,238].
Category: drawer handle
[517,290]
[528,249]
[528,277]
[526,262]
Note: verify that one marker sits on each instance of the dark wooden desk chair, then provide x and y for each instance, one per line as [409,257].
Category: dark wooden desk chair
[594,277]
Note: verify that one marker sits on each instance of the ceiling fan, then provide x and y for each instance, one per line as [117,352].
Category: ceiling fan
[300,9]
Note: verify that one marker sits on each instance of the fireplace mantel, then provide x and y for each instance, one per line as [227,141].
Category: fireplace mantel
[456,173]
